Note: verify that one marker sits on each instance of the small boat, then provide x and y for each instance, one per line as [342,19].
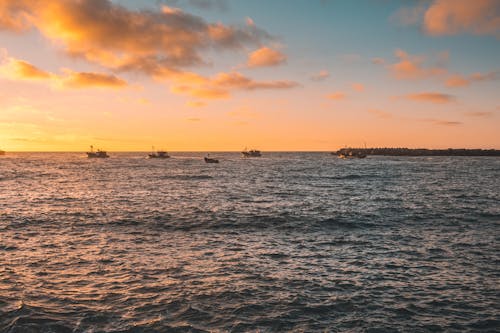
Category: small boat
[210,160]
[346,153]
[97,154]
[158,154]
[251,153]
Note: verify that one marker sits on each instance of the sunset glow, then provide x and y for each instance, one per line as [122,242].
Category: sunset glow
[223,75]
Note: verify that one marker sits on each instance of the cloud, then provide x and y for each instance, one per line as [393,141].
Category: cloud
[479,114]
[441,122]
[451,17]
[87,79]
[380,113]
[20,70]
[220,86]
[160,44]
[321,75]
[264,57]
[411,67]
[115,37]
[15,69]
[378,61]
[337,96]
[458,80]
[359,87]
[431,97]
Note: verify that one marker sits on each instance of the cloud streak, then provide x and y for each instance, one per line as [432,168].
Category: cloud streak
[20,70]
[432,97]
[411,67]
[265,57]
[459,80]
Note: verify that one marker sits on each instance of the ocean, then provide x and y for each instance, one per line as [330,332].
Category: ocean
[289,242]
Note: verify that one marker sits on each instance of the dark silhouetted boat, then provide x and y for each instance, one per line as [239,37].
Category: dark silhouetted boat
[97,154]
[208,159]
[158,154]
[251,153]
[348,153]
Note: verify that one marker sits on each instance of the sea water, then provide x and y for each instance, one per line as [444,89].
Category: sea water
[301,242]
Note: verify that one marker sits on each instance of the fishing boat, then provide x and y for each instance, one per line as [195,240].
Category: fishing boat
[158,154]
[347,153]
[208,159]
[251,153]
[97,154]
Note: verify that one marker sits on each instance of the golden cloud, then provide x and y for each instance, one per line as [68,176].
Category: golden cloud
[111,35]
[432,97]
[412,67]
[222,84]
[15,69]
[85,80]
[157,43]
[265,56]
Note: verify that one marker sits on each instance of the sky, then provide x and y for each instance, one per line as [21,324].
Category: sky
[274,75]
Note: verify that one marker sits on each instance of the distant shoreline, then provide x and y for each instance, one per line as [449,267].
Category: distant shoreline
[420,152]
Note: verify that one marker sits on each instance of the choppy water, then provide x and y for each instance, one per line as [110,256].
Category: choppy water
[300,242]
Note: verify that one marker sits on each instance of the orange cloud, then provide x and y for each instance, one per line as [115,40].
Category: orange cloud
[412,67]
[450,17]
[378,61]
[359,87]
[432,97]
[157,43]
[86,80]
[16,69]
[222,84]
[336,96]
[113,36]
[459,80]
[265,56]
[321,75]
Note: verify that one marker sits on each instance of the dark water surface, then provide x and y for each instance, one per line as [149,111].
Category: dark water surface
[300,242]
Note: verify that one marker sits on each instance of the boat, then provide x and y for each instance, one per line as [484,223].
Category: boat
[208,159]
[2,152]
[158,154]
[97,154]
[251,153]
[347,153]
